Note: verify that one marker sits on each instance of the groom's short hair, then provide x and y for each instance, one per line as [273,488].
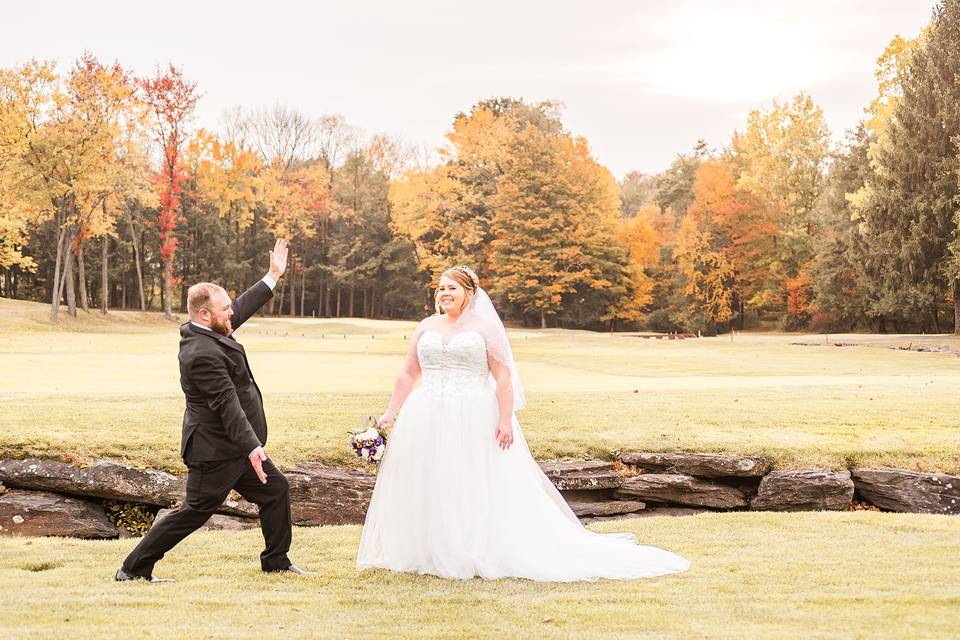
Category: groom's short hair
[198,296]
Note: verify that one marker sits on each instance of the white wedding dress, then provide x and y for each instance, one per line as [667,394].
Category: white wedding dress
[449,502]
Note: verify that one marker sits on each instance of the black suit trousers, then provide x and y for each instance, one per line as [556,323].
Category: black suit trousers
[208,485]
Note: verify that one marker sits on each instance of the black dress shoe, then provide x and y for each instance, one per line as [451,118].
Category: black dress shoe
[123,576]
[292,569]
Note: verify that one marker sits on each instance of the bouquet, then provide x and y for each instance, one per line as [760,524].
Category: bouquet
[369,441]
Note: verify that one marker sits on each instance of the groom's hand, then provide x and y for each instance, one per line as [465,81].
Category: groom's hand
[278,260]
[257,457]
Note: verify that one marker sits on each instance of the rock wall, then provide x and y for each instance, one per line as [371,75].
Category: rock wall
[47,497]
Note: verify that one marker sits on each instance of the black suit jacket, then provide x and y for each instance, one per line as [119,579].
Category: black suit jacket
[224,415]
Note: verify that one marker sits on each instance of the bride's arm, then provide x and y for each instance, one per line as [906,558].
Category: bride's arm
[406,379]
[501,375]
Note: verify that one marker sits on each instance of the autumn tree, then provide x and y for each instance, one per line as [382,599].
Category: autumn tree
[36,141]
[708,276]
[781,159]
[171,101]
[447,211]
[745,230]
[639,235]
[16,223]
[555,213]
[104,99]
[17,216]
[61,145]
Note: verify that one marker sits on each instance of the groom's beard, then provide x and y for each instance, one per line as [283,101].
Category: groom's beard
[221,326]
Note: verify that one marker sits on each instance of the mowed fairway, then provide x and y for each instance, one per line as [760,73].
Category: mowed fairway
[92,387]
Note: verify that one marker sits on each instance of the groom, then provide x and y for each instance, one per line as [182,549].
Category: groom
[224,429]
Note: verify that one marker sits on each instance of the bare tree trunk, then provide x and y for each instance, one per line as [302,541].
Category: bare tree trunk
[293,288]
[543,320]
[353,292]
[303,290]
[69,279]
[82,273]
[104,275]
[57,288]
[323,292]
[956,307]
[136,258]
[153,293]
[8,282]
[338,302]
[366,302]
[167,293]
[283,287]
[123,290]
[63,284]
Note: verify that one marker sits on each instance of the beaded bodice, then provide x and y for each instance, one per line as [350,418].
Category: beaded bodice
[453,364]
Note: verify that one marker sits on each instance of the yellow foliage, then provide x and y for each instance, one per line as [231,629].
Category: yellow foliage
[229,179]
[301,199]
[73,146]
[643,244]
[707,272]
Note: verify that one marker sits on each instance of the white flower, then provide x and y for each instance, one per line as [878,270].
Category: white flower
[365,453]
[370,434]
[379,454]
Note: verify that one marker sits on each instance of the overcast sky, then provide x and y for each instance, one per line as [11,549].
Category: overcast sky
[641,80]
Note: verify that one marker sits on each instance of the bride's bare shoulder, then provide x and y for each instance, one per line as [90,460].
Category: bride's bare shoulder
[430,322]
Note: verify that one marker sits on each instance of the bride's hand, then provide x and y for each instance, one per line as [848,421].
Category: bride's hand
[386,420]
[505,435]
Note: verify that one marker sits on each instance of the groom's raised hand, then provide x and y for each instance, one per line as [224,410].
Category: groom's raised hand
[278,260]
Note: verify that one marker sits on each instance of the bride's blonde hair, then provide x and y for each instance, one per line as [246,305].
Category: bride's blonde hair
[465,277]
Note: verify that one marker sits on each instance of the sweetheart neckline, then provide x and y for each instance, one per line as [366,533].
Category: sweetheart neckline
[446,342]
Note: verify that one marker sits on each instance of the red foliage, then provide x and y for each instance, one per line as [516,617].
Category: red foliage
[171,100]
[799,295]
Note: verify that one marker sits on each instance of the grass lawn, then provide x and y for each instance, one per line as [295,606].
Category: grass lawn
[91,387]
[753,575]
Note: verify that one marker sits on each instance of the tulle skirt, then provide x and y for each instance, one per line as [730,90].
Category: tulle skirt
[449,502]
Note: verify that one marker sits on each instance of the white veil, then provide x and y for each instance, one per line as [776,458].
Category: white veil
[481,316]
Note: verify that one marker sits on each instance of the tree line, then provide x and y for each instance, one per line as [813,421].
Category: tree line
[110,197]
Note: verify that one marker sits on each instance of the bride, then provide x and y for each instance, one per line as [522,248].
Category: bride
[458,493]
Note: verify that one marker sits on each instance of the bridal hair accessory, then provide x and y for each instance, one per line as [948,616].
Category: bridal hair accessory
[467,271]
